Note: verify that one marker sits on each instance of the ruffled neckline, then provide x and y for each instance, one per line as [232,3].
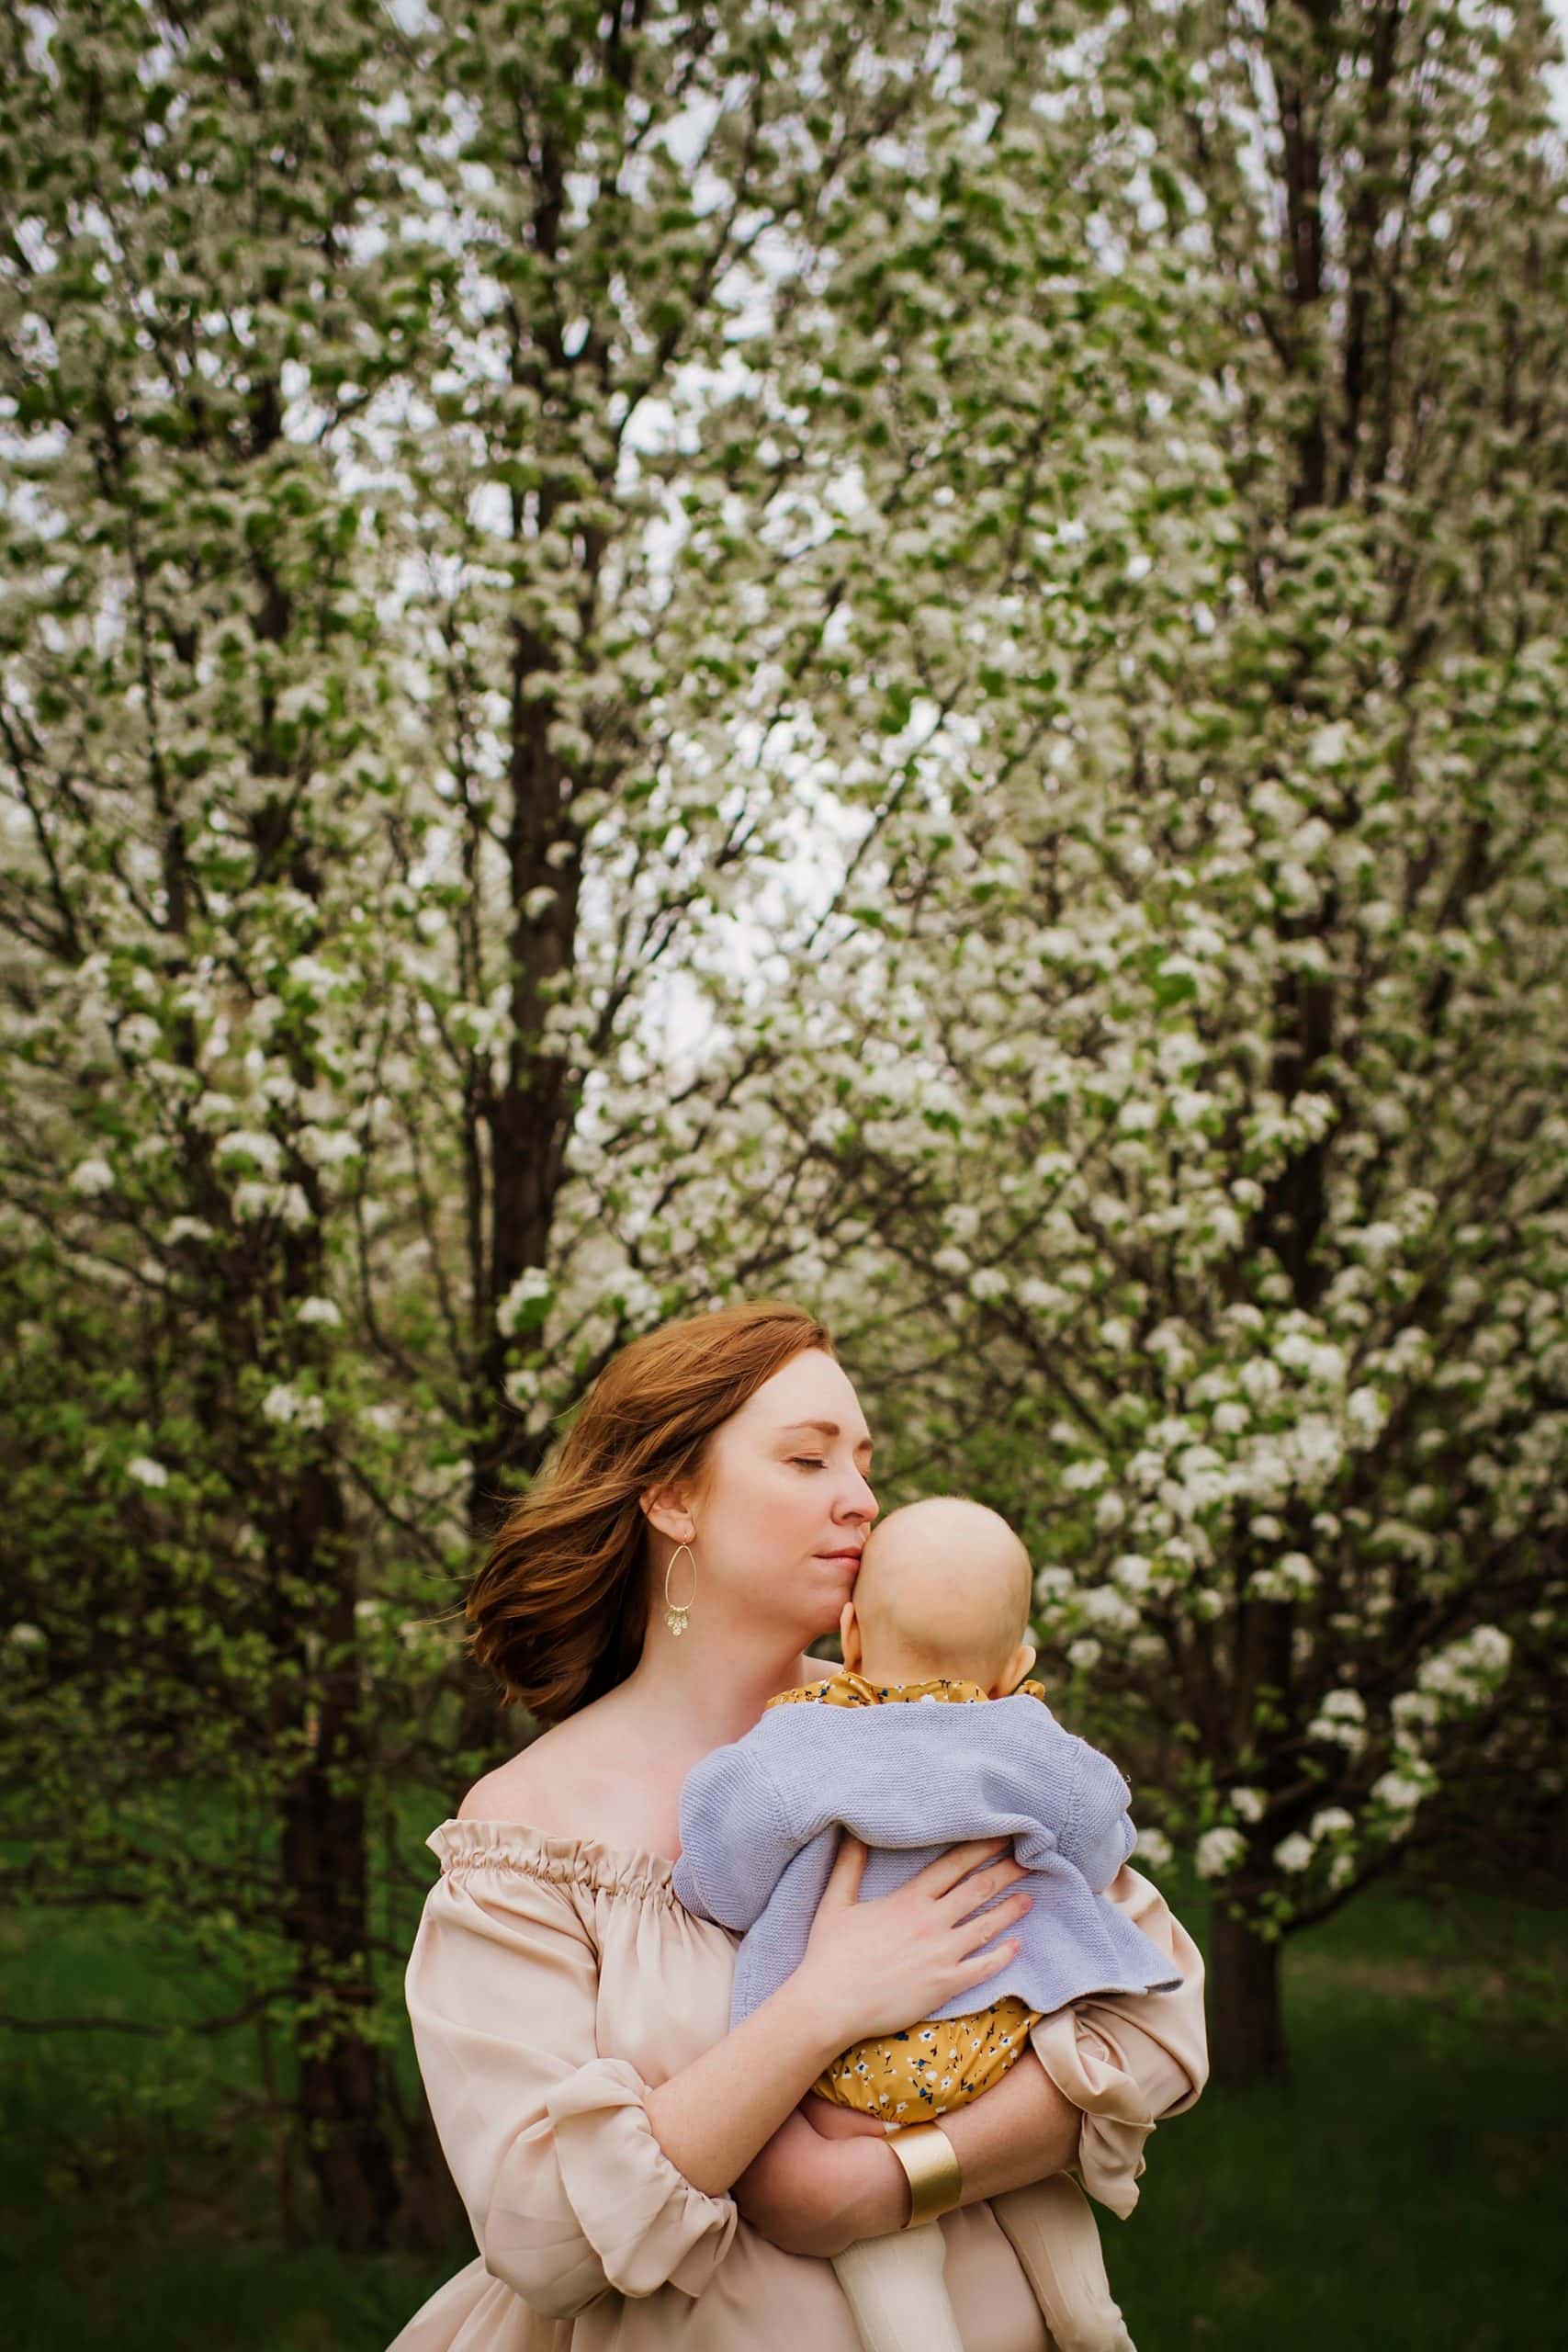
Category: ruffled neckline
[460,1844]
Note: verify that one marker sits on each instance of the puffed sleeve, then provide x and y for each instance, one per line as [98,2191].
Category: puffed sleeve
[567,2189]
[1129,2061]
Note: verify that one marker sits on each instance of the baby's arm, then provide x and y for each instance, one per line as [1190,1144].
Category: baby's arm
[735,1841]
[1098,1835]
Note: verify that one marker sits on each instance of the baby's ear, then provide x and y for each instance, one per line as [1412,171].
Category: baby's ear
[1017,1666]
[849,1636]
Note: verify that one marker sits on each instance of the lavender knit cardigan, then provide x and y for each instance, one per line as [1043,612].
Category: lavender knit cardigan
[760,1820]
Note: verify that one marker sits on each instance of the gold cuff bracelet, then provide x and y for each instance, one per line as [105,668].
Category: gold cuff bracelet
[928,2156]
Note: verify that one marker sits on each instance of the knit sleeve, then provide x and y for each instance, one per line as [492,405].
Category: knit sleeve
[1098,1835]
[735,1838]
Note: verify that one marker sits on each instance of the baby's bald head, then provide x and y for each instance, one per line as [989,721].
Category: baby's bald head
[943,1589]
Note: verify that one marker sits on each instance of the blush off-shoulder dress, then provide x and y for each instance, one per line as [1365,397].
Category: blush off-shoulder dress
[555,1980]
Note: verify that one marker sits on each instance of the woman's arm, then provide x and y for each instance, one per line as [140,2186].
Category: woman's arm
[712,2117]
[812,2194]
[1022,2129]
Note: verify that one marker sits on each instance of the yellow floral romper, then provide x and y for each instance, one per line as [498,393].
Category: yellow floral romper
[944,2062]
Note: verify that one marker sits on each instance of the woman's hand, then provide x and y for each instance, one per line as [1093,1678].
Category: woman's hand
[877,1967]
[809,2194]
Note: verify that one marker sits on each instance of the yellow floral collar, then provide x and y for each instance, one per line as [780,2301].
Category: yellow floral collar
[846,1689]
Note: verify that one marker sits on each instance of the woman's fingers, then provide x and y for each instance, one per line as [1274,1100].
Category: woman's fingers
[942,1875]
[844,1879]
[979,1965]
[983,1887]
[985,1924]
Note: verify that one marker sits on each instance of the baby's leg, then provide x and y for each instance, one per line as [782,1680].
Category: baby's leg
[897,2291]
[840,2122]
[1053,2233]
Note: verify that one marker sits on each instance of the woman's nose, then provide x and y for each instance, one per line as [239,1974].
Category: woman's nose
[860,1503]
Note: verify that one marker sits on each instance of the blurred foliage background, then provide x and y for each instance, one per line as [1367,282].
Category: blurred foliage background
[907,654]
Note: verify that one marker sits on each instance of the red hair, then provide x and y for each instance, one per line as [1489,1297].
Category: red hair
[560,1608]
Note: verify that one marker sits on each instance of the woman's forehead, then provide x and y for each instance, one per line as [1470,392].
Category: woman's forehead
[810,1389]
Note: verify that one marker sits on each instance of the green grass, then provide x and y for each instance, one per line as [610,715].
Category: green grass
[1401,2191]
[1404,2191]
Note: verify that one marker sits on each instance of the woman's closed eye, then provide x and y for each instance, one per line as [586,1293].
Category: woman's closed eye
[808,1462]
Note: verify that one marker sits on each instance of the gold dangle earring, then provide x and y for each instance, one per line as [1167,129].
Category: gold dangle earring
[677,1614]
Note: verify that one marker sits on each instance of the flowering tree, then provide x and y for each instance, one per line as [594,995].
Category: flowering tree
[713,431]
[1198,1093]
[470,489]
[202,812]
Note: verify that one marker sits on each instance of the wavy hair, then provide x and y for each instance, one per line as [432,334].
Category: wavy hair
[558,1610]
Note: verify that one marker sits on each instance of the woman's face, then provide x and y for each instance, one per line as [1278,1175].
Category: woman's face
[784,1505]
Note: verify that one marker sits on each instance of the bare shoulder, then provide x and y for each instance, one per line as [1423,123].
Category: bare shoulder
[577,1779]
[538,1785]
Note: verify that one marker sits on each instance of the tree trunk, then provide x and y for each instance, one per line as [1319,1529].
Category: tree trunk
[342,2089]
[1246,2038]
[432,2219]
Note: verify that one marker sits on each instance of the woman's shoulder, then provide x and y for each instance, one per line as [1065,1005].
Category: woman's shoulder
[586,1777]
[579,1780]
[543,1785]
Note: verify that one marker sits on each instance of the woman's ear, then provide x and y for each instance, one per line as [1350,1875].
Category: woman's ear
[849,1636]
[665,1508]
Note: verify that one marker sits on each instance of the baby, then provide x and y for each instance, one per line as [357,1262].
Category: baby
[896,1751]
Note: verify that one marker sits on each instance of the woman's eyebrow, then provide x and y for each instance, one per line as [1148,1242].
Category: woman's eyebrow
[828,1429]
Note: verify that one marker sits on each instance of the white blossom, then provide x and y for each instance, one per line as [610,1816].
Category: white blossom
[1052,1586]
[1469,1669]
[245,1143]
[1340,1721]
[1219,1851]
[146,1472]
[531,1284]
[1153,1850]
[1104,1606]
[187,1228]
[1293,1853]
[328,1147]
[1291,1577]
[288,1405]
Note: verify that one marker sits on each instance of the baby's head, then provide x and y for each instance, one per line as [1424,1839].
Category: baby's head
[943,1589]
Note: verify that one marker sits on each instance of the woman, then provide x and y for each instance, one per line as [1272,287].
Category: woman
[635,2174]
